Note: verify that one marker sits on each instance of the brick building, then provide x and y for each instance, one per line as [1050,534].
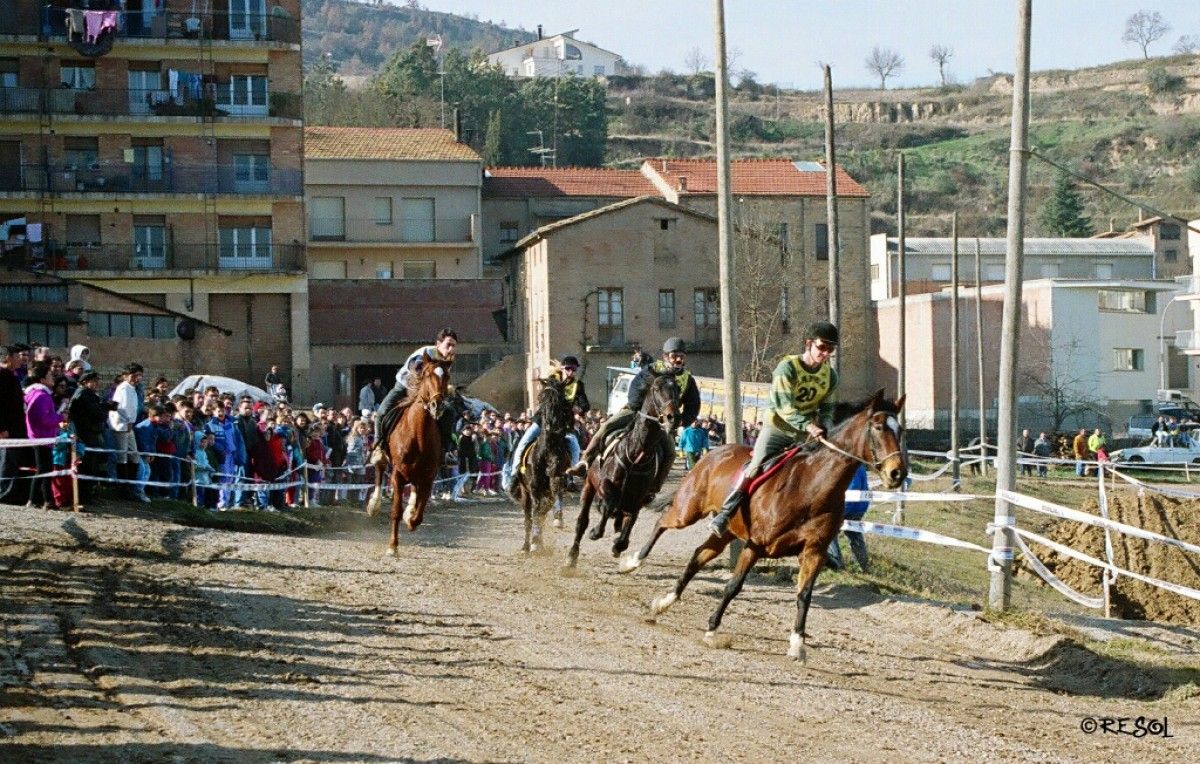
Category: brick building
[163,160]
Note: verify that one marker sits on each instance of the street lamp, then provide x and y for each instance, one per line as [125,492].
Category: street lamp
[1162,345]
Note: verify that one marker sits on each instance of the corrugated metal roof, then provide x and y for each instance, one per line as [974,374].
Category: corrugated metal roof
[916,245]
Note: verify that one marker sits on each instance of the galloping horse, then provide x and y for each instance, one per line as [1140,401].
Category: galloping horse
[414,449]
[797,511]
[623,477]
[537,487]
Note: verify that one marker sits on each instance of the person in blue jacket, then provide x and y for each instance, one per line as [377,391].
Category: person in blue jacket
[230,450]
[854,511]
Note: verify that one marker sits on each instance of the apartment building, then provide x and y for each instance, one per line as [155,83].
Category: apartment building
[156,152]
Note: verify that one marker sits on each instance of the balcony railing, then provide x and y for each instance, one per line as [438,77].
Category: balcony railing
[456,230]
[251,27]
[1188,340]
[158,102]
[167,178]
[185,257]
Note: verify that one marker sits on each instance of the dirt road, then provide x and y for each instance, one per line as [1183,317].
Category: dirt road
[130,640]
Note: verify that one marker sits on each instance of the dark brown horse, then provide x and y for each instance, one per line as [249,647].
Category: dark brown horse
[623,478]
[538,487]
[414,450]
[797,511]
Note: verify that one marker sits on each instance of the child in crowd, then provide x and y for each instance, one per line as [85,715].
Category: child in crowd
[60,485]
[205,494]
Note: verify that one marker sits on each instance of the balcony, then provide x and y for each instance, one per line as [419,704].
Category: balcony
[171,25]
[131,259]
[167,178]
[1189,287]
[1188,342]
[400,231]
[157,102]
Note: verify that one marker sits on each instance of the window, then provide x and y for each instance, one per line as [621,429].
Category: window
[939,272]
[20,293]
[1122,300]
[383,269]
[139,325]
[78,76]
[1171,255]
[1104,270]
[244,94]
[383,210]
[251,172]
[245,246]
[327,269]
[147,168]
[327,217]
[666,224]
[598,70]
[149,246]
[29,332]
[81,153]
[875,272]
[9,68]
[418,220]
[420,269]
[1129,359]
[821,231]
[83,230]
[993,272]
[1049,270]
[610,319]
[1168,232]
[666,309]
[706,313]
[143,86]
[510,231]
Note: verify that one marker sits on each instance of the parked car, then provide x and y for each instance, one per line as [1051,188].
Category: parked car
[1152,454]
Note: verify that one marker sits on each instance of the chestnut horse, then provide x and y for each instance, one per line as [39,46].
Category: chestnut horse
[624,477]
[414,449]
[796,511]
[548,458]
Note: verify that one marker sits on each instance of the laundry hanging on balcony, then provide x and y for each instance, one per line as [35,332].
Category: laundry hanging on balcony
[91,33]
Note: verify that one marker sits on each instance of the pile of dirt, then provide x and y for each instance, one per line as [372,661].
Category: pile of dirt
[1132,598]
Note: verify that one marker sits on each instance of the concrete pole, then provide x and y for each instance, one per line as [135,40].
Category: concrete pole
[956,472]
[983,439]
[1000,592]
[903,278]
[733,396]
[831,213]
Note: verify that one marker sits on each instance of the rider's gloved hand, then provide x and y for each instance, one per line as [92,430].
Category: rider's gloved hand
[815,430]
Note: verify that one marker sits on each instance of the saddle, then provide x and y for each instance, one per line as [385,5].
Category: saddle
[769,468]
[390,418]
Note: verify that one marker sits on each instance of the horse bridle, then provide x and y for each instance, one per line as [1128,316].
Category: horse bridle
[878,463]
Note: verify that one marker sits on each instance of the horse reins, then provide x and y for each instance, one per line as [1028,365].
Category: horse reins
[876,466]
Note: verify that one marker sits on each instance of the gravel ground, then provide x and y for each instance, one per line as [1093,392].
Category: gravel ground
[133,640]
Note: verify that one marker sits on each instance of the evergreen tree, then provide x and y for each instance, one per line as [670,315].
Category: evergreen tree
[1062,214]
[493,144]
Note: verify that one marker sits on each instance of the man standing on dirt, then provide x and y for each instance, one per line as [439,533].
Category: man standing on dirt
[1079,447]
[1024,449]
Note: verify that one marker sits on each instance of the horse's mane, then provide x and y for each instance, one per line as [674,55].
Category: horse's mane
[556,415]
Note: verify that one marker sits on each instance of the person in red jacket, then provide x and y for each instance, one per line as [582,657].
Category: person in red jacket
[315,453]
[270,459]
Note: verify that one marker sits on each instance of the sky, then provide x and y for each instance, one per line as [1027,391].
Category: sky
[783,41]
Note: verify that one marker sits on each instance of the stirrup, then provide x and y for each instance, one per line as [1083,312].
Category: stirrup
[719,525]
[377,456]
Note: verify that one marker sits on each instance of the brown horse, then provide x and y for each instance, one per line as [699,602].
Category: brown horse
[549,456]
[624,477]
[414,450]
[797,511]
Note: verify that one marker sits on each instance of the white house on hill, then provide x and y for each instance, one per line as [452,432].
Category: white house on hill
[558,56]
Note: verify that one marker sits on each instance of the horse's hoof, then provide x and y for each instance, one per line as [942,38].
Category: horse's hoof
[660,604]
[391,552]
[717,641]
[595,534]
[629,564]
[558,521]
[796,649]
[533,548]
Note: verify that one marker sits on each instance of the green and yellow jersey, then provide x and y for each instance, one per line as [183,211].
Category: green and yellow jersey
[800,397]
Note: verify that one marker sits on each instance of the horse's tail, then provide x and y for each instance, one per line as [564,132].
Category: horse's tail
[375,503]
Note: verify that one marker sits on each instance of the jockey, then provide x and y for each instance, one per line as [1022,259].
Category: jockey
[800,407]
[441,350]
[674,361]
[576,396]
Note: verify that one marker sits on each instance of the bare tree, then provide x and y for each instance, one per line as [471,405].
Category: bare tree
[762,296]
[695,60]
[1186,45]
[940,55]
[1057,380]
[1143,28]
[884,62]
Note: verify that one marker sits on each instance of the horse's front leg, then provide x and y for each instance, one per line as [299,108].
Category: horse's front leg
[605,491]
[745,563]
[540,506]
[397,501]
[585,505]
[418,497]
[812,559]
[623,526]
[527,510]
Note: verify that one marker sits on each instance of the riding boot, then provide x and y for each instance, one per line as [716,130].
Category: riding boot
[719,525]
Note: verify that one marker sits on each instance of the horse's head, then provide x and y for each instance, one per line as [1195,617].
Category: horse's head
[662,400]
[884,440]
[556,413]
[433,385]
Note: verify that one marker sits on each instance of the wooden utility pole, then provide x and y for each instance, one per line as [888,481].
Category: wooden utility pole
[1000,591]
[983,439]
[956,472]
[733,397]
[900,381]
[831,214]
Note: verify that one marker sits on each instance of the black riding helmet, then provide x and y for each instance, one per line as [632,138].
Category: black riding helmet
[674,345]
[569,360]
[822,330]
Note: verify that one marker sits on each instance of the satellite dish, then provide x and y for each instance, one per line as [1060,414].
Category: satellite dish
[186,329]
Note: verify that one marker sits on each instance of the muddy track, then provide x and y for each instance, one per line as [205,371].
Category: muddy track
[129,640]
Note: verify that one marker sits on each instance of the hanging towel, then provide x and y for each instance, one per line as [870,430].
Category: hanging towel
[173,82]
[75,23]
[109,21]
